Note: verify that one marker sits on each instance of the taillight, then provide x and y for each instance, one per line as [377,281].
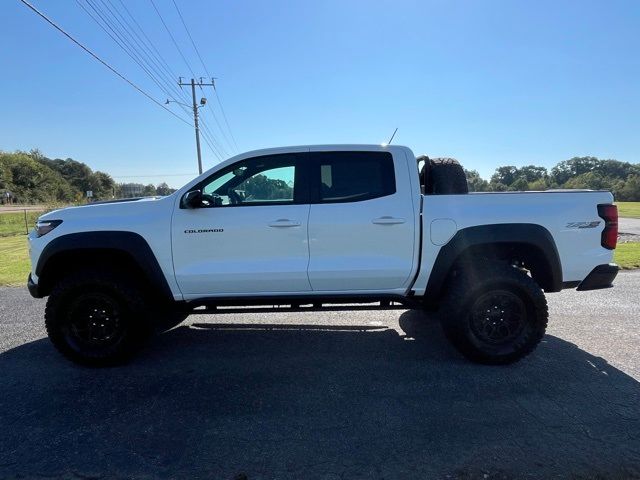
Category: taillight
[609,213]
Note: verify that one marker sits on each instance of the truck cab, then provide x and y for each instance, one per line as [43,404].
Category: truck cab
[308,221]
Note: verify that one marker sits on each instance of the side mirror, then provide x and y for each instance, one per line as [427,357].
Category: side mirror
[192,199]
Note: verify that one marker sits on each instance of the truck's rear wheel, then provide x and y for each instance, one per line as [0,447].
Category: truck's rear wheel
[494,314]
[96,319]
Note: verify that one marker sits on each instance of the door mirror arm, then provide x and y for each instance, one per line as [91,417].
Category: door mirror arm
[191,199]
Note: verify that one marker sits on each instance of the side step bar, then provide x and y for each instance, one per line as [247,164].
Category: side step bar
[300,304]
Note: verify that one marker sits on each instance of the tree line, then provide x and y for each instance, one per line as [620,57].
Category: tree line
[30,177]
[622,178]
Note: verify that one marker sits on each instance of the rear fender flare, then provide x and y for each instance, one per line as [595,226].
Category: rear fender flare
[535,236]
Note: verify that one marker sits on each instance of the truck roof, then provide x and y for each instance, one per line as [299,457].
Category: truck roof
[319,148]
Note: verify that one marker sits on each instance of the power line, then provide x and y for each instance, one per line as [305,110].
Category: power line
[205,129]
[137,39]
[172,38]
[213,149]
[117,38]
[150,59]
[191,38]
[151,44]
[224,115]
[127,42]
[117,34]
[215,118]
[206,126]
[184,58]
[143,50]
[219,148]
[128,35]
[96,57]
[137,55]
[124,35]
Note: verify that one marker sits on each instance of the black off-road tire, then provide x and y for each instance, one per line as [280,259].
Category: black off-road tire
[473,314]
[97,318]
[445,177]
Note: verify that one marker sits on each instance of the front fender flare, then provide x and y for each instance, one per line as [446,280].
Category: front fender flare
[130,243]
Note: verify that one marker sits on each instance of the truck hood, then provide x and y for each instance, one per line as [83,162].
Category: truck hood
[110,208]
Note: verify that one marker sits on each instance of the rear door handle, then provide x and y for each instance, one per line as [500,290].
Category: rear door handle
[284,223]
[388,220]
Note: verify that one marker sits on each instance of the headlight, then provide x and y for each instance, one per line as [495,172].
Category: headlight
[45,226]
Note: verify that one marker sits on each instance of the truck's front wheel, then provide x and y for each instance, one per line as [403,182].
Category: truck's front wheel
[494,314]
[95,319]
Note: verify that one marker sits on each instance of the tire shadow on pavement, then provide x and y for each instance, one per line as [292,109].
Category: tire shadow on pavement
[213,400]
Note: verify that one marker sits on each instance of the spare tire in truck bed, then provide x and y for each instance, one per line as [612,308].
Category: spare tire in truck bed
[445,176]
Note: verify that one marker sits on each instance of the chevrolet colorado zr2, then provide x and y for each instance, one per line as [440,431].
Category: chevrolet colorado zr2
[313,226]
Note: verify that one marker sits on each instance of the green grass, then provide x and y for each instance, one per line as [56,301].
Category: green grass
[627,255]
[14,260]
[629,209]
[12,223]
[15,265]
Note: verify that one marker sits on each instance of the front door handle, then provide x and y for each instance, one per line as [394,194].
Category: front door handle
[388,220]
[284,223]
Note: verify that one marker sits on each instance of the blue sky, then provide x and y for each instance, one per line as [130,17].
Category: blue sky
[490,83]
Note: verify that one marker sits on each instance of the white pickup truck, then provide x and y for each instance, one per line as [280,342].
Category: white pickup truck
[312,226]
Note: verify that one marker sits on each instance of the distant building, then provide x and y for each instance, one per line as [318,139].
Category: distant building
[130,190]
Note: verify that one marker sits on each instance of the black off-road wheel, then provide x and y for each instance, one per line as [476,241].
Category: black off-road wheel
[445,176]
[96,318]
[494,314]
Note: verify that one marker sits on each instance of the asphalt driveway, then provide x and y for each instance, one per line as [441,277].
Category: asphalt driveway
[328,396]
[629,226]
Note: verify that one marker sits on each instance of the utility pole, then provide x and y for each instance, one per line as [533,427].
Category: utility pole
[203,101]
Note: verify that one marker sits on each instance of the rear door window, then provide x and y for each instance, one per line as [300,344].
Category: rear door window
[352,176]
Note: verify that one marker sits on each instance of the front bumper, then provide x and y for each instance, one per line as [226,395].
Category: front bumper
[33,288]
[600,277]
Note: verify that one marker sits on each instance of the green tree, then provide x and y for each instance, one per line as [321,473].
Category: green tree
[32,182]
[505,175]
[539,185]
[497,187]
[532,173]
[163,189]
[262,187]
[519,185]
[589,180]
[6,177]
[102,185]
[149,191]
[475,181]
[573,167]
[629,190]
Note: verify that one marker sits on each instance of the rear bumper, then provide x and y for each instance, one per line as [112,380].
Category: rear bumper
[33,288]
[600,277]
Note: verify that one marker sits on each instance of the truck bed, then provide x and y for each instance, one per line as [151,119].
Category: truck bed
[565,214]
